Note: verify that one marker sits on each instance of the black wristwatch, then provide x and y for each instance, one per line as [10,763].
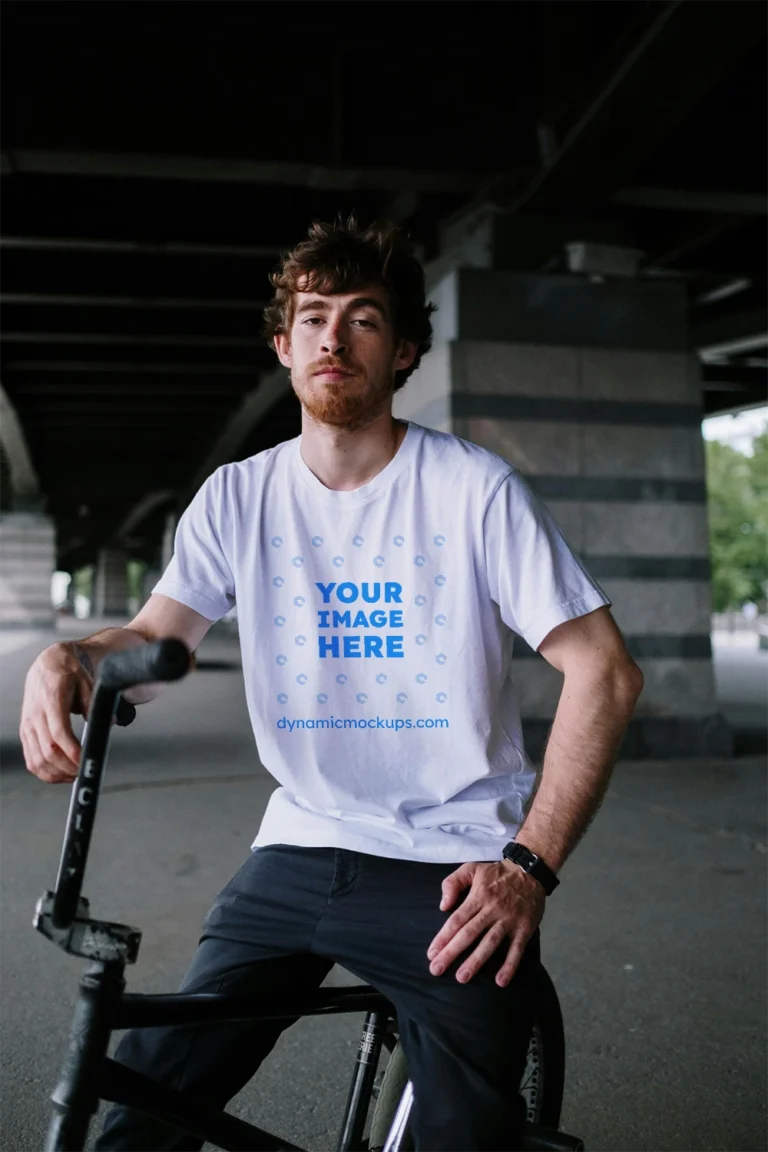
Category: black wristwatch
[532,864]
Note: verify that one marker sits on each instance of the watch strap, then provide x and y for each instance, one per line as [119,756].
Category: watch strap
[532,864]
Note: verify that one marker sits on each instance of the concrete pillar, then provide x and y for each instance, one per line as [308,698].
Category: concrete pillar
[27,563]
[588,387]
[169,534]
[110,584]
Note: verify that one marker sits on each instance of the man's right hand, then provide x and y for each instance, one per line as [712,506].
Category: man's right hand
[56,686]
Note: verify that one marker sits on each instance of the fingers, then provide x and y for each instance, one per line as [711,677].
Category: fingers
[61,732]
[455,883]
[455,938]
[514,956]
[495,909]
[55,686]
[44,760]
[485,949]
[59,766]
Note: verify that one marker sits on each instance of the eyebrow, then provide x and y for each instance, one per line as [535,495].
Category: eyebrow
[358,302]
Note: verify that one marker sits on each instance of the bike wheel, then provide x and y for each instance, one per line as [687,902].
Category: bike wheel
[541,1084]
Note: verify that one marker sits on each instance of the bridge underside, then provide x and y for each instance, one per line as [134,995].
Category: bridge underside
[157,160]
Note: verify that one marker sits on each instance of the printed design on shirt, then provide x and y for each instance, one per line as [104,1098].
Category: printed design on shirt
[333,619]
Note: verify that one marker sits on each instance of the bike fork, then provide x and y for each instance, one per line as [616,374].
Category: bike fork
[76,1096]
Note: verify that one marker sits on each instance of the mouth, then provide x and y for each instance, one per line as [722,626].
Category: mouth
[333,374]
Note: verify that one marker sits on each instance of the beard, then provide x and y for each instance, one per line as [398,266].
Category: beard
[352,403]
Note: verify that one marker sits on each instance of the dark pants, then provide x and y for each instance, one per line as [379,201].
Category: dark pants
[280,924]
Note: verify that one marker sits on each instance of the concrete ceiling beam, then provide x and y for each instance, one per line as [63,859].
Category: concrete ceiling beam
[330,178]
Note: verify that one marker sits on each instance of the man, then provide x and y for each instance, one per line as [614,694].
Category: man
[380,570]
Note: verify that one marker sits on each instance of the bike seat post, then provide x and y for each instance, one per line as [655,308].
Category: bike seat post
[76,1096]
[366,1062]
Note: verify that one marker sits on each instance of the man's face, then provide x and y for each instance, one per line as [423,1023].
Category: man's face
[343,356]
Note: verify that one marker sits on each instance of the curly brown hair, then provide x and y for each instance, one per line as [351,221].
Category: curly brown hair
[342,257]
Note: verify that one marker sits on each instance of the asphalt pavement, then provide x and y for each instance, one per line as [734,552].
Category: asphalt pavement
[656,938]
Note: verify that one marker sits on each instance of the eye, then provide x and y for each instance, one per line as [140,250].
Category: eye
[311,320]
[366,323]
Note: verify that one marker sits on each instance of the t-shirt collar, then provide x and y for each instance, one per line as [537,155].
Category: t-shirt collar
[357,496]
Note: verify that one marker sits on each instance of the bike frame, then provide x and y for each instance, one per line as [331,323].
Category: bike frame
[88,1075]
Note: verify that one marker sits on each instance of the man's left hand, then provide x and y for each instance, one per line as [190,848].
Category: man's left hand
[503,903]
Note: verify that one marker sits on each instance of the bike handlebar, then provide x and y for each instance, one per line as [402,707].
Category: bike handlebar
[162,660]
[150,663]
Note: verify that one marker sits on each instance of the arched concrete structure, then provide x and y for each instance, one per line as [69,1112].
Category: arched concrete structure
[24,478]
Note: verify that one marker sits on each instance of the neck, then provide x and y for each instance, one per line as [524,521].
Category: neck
[344,460]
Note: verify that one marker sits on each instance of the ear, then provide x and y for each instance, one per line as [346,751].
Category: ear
[405,354]
[283,349]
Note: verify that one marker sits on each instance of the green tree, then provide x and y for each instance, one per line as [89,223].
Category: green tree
[737,489]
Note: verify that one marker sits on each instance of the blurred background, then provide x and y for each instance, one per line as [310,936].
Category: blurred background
[586,185]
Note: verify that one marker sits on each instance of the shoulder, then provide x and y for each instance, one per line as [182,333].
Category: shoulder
[462,460]
[244,477]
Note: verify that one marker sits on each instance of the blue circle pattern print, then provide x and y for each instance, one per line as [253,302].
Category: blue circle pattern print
[420,600]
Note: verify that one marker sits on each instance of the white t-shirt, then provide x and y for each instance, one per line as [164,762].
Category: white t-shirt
[376,629]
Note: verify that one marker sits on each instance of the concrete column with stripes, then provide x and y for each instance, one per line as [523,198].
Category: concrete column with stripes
[590,389]
[110,584]
[27,561]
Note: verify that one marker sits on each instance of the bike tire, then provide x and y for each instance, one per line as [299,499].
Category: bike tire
[541,1085]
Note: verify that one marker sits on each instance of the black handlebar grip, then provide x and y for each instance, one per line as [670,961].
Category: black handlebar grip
[126,713]
[161,660]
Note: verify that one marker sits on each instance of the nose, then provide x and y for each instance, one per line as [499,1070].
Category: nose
[333,340]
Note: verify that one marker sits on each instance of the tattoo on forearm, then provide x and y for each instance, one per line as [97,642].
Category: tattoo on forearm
[84,658]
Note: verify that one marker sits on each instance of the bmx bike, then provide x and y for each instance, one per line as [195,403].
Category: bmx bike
[88,1075]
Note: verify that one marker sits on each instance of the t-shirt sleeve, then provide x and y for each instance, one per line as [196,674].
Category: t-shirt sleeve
[199,574]
[534,575]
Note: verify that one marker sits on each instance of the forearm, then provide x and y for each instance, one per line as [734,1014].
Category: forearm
[590,722]
[91,650]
